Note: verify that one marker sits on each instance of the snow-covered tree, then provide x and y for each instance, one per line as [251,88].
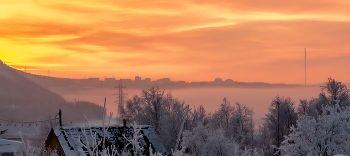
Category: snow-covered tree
[193,140]
[242,127]
[327,135]
[236,121]
[198,115]
[31,150]
[261,141]
[219,145]
[334,91]
[133,109]
[207,141]
[221,118]
[164,112]
[93,141]
[137,149]
[277,123]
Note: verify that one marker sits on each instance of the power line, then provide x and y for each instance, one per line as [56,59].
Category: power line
[57,117]
[27,121]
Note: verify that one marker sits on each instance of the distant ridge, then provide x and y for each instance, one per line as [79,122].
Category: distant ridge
[24,100]
[64,85]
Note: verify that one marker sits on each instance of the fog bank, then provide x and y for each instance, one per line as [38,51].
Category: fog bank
[258,99]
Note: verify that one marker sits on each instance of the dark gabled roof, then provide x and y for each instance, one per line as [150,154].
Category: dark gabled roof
[68,138]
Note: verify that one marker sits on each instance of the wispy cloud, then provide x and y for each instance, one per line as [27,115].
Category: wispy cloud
[246,40]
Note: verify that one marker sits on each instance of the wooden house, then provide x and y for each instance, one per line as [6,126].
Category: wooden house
[76,141]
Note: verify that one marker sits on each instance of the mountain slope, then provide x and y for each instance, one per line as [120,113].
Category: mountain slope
[22,99]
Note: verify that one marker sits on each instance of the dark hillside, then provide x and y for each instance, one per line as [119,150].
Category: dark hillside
[55,84]
[23,99]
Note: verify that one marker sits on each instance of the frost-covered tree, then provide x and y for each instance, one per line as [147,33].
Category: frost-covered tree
[311,107]
[331,92]
[28,149]
[236,121]
[334,91]
[223,116]
[137,149]
[193,140]
[92,140]
[219,145]
[242,127]
[261,142]
[277,123]
[133,109]
[327,135]
[164,112]
[202,140]
[198,115]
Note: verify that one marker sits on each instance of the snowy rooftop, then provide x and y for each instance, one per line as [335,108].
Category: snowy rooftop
[69,136]
[9,146]
[15,130]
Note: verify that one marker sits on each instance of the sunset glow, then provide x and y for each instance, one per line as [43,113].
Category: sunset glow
[242,40]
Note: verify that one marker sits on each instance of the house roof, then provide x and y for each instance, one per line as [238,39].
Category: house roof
[70,138]
[9,146]
[18,130]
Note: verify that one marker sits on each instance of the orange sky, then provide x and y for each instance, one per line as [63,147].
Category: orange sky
[191,40]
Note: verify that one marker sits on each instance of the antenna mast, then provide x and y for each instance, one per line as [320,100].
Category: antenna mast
[305,66]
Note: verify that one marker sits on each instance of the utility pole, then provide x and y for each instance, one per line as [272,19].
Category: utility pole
[305,66]
[278,124]
[60,117]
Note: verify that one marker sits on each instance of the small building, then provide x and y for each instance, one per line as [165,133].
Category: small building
[110,80]
[71,141]
[148,80]
[164,80]
[218,79]
[137,78]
